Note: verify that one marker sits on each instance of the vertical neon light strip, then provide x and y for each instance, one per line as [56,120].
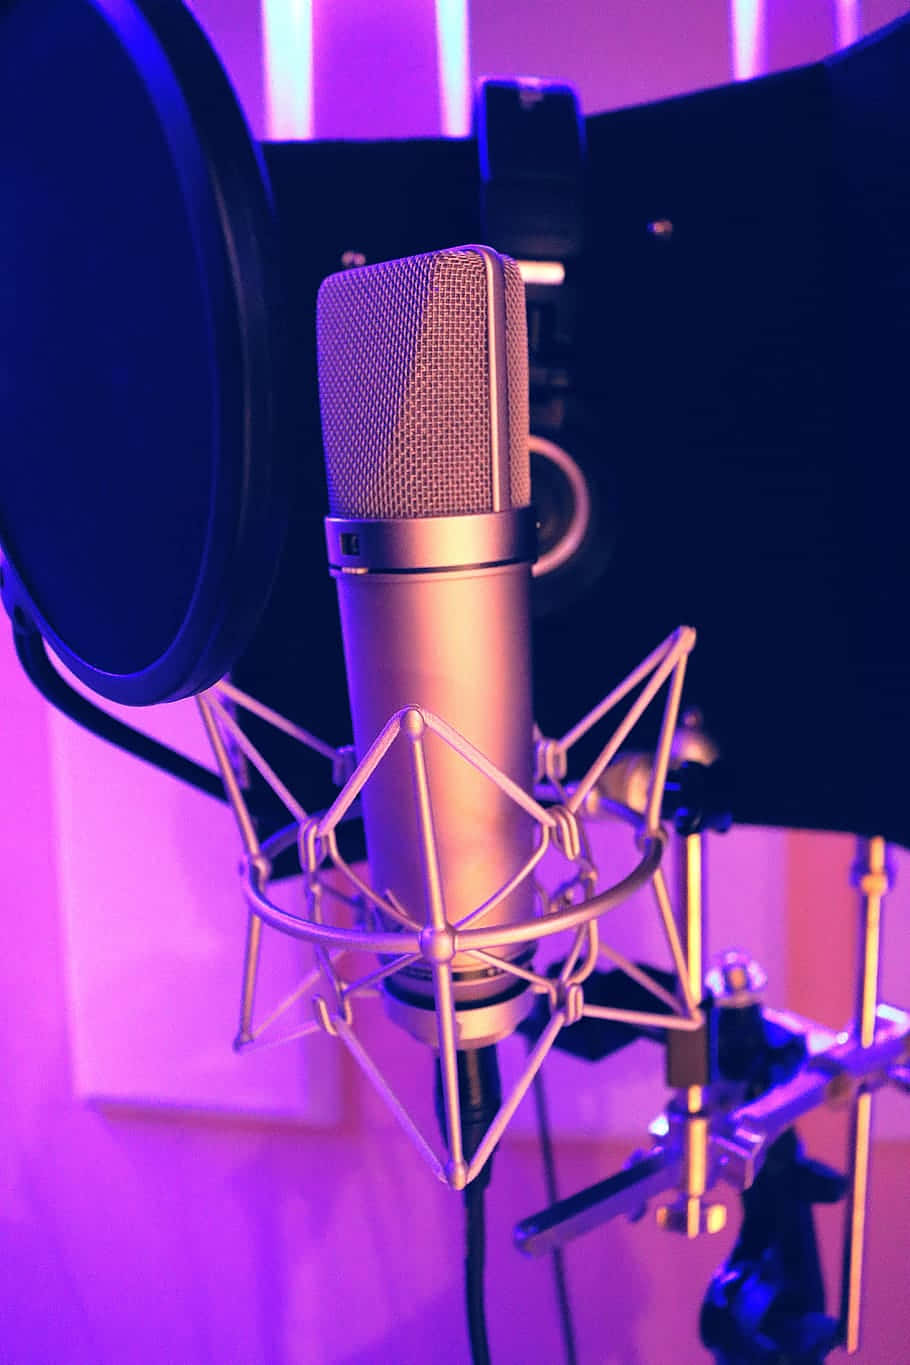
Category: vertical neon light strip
[287,37]
[453,61]
[747,33]
[847,22]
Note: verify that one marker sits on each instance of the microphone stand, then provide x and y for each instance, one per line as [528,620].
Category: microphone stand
[741,1084]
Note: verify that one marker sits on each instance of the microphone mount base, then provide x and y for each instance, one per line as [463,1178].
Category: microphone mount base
[477,1025]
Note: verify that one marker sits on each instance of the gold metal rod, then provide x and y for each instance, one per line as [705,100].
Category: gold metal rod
[873,885]
[855,1231]
[692,910]
[871,876]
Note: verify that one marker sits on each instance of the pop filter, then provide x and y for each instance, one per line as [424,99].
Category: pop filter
[143,472]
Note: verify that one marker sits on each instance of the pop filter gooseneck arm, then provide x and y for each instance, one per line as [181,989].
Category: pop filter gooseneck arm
[33,657]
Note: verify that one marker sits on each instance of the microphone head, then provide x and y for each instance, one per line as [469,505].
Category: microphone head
[423,386]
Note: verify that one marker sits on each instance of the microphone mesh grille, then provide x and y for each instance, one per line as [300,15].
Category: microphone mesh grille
[404,386]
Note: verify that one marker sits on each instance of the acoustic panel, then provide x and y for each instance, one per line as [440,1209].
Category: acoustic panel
[155,926]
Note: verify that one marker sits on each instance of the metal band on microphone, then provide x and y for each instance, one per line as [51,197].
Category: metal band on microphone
[479,540]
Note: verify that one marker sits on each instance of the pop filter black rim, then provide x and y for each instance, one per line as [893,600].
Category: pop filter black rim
[227,202]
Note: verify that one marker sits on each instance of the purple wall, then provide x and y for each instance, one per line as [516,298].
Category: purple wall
[141,1237]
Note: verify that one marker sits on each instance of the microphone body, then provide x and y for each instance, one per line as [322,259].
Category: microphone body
[434,598]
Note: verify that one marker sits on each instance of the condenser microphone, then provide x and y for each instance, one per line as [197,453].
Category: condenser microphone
[431,536]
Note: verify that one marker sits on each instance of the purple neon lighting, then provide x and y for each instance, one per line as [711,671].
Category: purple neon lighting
[847,22]
[435,84]
[454,67]
[747,38]
[287,37]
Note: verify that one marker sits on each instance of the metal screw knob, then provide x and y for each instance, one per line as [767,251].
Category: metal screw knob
[736,979]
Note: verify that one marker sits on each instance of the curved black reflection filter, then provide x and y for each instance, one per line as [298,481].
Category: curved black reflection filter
[741,310]
[142,464]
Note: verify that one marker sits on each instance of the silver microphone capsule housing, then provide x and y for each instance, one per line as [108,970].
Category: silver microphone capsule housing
[431,537]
